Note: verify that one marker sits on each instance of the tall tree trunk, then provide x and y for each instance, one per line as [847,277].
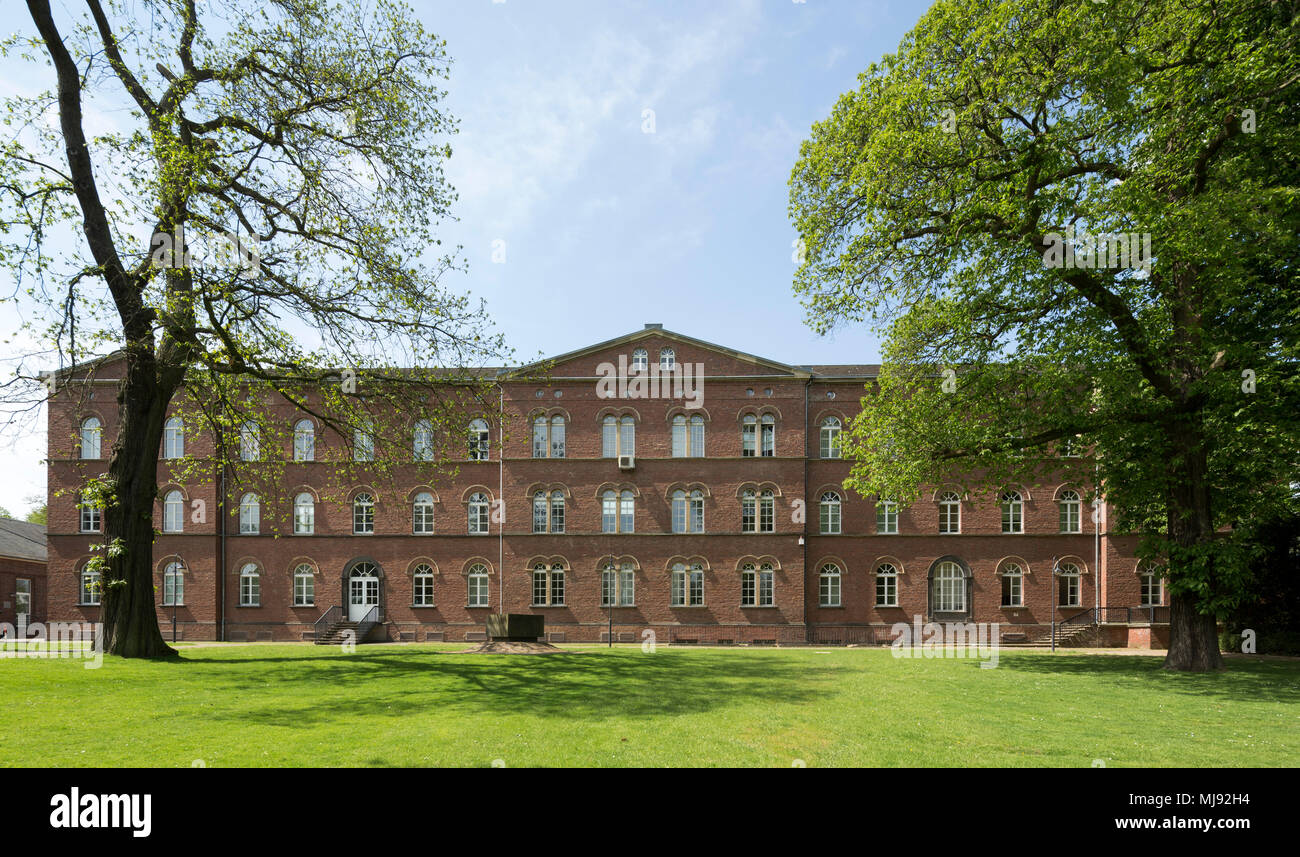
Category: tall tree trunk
[129,615]
[1193,639]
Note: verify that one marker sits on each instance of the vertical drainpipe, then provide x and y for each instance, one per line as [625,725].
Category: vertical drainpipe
[1096,546]
[221,560]
[807,629]
[501,490]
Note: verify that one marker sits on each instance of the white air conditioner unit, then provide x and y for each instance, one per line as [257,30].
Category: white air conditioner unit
[626,462]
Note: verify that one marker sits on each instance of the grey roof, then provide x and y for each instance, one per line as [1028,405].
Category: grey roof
[846,370]
[21,540]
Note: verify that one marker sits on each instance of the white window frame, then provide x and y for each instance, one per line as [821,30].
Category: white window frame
[173,512]
[422,514]
[250,586]
[1013,578]
[1013,512]
[304,594]
[250,515]
[250,441]
[949,506]
[422,441]
[91,516]
[831,429]
[830,514]
[478,586]
[304,514]
[886,585]
[1071,508]
[829,585]
[480,521]
[304,440]
[173,588]
[363,514]
[480,440]
[949,591]
[174,438]
[886,517]
[91,591]
[92,436]
[422,586]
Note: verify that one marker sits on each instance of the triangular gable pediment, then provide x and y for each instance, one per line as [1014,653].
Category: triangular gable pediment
[717,360]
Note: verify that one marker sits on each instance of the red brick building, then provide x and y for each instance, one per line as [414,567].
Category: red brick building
[702,500]
[22,573]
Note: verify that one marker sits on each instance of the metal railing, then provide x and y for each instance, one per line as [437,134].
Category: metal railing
[328,618]
[372,618]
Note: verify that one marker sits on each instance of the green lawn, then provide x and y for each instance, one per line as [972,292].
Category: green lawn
[290,705]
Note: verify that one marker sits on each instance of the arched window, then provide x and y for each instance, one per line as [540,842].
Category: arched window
[949,512]
[92,433]
[688,511]
[688,436]
[1068,576]
[830,514]
[830,437]
[758,435]
[480,444]
[174,438]
[617,512]
[548,437]
[363,442]
[1071,512]
[548,512]
[250,515]
[173,512]
[667,359]
[304,586]
[886,516]
[250,586]
[422,441]
[829,585]
[250,441]
[949,588]
[477,582]
[640,360]
[422,514]
[90,514]
[548,585]
[304,514]
[422,586]
[304,441]
[173,585]
[688,585]
[363,514]
[618,585]
[1013,512]
[91,588]
[757,511]
[1013,578]
[1152,589]
[617,436]
[478,514]
[886,585]
[756,585]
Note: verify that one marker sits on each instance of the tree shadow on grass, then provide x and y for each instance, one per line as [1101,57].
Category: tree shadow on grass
[1242,681]
[584,687]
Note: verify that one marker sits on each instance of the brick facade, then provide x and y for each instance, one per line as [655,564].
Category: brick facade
[796,399]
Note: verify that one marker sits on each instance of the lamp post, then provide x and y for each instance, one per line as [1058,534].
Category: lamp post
[613,594]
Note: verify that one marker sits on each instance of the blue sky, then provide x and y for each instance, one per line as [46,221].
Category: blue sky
[609,221]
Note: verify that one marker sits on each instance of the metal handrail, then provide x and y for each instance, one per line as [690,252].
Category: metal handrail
[372,618]
[329,617]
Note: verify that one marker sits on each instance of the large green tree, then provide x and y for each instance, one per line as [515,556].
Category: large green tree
[306,137]
[952,199]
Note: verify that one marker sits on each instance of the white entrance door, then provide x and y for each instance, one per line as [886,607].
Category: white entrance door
[363,592]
